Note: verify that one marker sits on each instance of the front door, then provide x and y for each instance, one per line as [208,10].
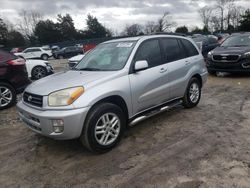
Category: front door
[147,89]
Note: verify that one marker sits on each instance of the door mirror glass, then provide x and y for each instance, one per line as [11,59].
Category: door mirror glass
[141,65]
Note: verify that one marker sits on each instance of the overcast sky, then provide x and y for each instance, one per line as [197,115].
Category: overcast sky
[114,14]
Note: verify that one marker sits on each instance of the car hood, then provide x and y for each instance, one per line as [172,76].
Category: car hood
[67,79]
[231,50]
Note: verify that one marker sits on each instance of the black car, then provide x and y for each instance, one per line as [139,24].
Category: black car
[67,52]
[13,78]
[232,56]
[207,43]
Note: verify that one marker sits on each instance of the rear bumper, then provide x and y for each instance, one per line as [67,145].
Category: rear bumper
[40,121]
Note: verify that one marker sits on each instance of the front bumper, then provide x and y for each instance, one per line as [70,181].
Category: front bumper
[240,66]
[40,121]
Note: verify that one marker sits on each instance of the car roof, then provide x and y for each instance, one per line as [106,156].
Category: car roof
[144,37]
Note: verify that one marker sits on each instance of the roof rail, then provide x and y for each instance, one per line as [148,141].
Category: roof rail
[169,33]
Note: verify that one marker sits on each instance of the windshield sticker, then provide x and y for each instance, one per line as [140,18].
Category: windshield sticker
[124,45]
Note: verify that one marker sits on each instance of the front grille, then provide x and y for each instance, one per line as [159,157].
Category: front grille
[32,99]
[226,58]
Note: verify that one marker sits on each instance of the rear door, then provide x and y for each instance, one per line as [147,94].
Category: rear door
[147,88]
[178,64]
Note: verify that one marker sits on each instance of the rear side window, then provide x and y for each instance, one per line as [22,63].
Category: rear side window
[190,48]
[172,50]
[150,51]
[5,56]
[212,40]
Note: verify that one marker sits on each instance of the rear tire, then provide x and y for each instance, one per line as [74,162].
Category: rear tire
[193,93]
[7,95]
[103,128]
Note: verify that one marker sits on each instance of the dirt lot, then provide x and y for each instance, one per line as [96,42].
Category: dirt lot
[208,146]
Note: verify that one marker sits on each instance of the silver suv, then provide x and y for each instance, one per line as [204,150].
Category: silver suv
[115,85]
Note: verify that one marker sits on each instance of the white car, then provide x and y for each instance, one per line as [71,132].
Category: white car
[35,53]
[74,60]
[38,68]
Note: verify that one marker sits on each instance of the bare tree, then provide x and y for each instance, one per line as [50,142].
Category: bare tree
[165,23]
[222,5]
[205,14]
[28,21]
[150,27]
[235,15]
[132,30]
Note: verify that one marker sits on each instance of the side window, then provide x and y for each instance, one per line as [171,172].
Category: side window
[27,51]
[150,51]
[190,48]
[36,50]
[172,49]
[212,40]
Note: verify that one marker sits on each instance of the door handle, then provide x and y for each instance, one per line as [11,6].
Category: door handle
[187,62]
[162,70]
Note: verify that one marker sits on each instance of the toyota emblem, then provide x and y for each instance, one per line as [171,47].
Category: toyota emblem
[30,98]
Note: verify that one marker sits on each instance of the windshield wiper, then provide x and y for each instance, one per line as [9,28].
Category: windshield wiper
[89,69]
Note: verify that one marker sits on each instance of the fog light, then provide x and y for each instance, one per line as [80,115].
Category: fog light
[58,125]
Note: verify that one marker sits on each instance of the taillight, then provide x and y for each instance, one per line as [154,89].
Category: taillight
[18,61]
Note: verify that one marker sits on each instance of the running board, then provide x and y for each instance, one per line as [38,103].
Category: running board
[154,111]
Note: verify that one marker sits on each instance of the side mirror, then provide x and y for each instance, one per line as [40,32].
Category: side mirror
[141,65]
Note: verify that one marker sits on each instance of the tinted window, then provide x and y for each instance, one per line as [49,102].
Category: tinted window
[189,47]
[172,49]
[36,50]
[150,51]
[5,56]
[212,40]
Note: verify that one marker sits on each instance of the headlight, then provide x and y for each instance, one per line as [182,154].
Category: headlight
[247,54]
[65,97]
[209,55]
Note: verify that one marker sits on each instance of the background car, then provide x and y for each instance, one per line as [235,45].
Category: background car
[67,52]
[35,53]
[207,43]
[38,68]
[13,78]
[232,56]
[74,60]
[16,50]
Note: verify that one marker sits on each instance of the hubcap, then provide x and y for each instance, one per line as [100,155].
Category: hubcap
[194,92]
[5,96]
[107,129]
[39,72]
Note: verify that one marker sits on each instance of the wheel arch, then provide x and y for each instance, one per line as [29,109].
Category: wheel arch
[114,99]
[198,76]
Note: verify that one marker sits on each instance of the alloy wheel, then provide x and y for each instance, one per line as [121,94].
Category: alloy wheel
[5,96]
[107,129]
[39,72]
[194,92]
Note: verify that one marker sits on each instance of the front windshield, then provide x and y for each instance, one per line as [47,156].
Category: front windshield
[236,41]
[107,57]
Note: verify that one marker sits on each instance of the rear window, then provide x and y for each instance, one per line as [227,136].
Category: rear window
[6,56]
[189,47]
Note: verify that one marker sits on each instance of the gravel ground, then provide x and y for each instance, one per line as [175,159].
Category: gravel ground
[207,146]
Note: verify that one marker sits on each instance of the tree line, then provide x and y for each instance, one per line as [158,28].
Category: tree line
[32,29]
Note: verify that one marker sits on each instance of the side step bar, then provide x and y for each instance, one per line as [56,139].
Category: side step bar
[153,111]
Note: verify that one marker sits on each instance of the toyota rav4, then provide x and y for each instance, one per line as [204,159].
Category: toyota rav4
[115,85]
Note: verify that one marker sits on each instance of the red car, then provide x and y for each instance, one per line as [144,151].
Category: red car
[13,78]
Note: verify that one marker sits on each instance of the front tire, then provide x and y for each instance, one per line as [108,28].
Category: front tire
[38,72]
[193,93]
[7,95]
[103,128]
[44,57]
